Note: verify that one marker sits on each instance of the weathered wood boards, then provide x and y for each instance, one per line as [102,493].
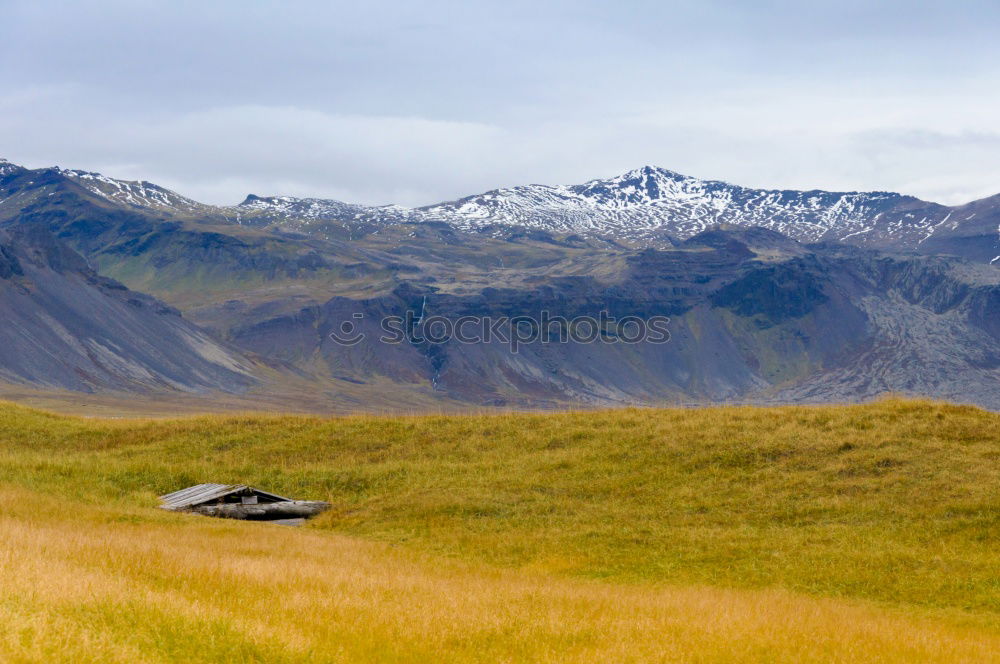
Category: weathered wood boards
[239,501]
[289,509]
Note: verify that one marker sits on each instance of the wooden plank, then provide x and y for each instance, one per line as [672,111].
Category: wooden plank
[289,509]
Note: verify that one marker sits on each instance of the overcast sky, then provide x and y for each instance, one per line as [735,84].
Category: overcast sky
[415,102]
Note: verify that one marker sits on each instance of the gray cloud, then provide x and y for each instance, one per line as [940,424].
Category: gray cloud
[419,102]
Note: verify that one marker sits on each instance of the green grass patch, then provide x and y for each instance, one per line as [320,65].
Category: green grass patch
[895,501]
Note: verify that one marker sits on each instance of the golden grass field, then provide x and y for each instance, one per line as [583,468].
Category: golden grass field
[854,534]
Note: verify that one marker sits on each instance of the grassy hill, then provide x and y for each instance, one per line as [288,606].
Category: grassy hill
[863,533]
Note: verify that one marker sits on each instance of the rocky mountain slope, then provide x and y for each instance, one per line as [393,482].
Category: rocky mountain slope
[772,296]
[64,326]
[750,319]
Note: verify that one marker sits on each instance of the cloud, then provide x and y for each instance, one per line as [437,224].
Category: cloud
[370,159]
[413,104]
[946,167]
[902,138]
[221,154]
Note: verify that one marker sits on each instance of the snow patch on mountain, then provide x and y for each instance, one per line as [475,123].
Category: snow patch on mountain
[140,194]
[654,200]
[644,204]
[643,207]
[306,214]
[7,168]
[288,207]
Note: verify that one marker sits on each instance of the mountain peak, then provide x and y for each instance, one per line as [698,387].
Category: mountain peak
[289,207]
[134,193]
[650,200]
[642,186]
[254,200]
[267,202]
[8,167]
[650,170]
[645,174]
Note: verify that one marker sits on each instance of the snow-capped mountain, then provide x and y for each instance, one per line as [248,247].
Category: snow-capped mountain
[655,200]
[642,207]
[139,193]
[7,168]
[304,210]
[754,314]
[651,202]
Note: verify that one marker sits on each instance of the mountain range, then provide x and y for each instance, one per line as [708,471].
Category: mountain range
[773,296]
[651,203]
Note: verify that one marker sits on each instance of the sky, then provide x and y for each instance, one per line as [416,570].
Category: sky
[415,102]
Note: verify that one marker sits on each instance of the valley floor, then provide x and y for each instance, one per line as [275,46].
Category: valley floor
[857,534]
[289,398]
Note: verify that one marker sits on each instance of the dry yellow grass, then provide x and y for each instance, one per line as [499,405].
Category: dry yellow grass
[127,586]
[853,534]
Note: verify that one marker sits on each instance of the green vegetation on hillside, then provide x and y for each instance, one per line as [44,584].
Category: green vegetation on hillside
[894,501]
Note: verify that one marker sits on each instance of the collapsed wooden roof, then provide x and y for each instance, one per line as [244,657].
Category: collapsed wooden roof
[203,493]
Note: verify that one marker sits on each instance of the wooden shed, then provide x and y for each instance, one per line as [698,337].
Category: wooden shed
[239,501]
